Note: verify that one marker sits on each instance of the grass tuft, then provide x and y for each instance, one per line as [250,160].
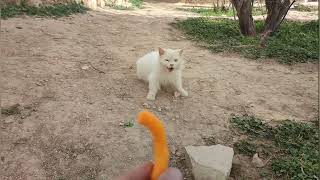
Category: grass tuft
[136,3]
[58,10]
[295,42]
[251,125]
[245,147]
[294,146]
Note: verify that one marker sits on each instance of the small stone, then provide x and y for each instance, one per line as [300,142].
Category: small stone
[110,108]
[177,116]
[9,119]
[19,27]
[38,84]
[146,105]
[236,160]
[210,162]
[159,109]
[167,108]
[85,67]
[121,124]
[256,161]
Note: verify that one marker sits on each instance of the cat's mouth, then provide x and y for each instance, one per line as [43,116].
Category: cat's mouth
[170,69]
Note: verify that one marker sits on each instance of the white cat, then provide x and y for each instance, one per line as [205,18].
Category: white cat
[162,68]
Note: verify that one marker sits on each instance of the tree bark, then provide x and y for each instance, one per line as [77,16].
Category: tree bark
[277,10]
[244,13]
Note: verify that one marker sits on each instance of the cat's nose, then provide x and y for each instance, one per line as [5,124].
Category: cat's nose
[171,65]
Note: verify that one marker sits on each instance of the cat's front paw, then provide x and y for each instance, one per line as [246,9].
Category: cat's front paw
[151,97]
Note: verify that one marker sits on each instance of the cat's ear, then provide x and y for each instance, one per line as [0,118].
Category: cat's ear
[161,51]
[180,51]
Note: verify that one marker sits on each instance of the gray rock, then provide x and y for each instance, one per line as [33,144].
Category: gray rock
[210,162]
[256,161]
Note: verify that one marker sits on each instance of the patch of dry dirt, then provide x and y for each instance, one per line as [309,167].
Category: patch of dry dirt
[77,74]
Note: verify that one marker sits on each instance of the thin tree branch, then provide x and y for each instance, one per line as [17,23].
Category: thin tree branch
[278,25]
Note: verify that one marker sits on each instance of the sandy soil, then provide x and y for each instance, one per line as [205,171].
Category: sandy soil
[74,80]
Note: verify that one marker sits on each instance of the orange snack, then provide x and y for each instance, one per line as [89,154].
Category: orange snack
[160,146]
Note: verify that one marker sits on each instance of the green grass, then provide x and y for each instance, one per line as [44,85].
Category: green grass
[304,8]
[120,7]
[251,125]
[245,147]
[58,10]
[136,3]
[219,11]
[294,146]
[127,124]
[295,42]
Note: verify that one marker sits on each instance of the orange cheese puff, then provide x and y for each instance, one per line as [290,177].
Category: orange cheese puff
[160,146]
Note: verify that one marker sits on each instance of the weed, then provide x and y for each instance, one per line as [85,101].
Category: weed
[127,124]
[300,143]
[58,10]
[121,7]
[209,140]
[251,125]
[295,42]
[245,147]
[294,146]
[136,3]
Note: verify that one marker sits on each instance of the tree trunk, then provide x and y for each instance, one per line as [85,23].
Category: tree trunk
[277,10]
[244,13]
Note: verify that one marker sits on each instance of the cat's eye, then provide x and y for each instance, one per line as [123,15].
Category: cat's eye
[167,60]
[175,60]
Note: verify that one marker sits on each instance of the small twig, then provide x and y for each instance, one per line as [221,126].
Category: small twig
[267,161]
[100,71]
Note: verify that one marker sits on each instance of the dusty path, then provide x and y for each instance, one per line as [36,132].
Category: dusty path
[69,123]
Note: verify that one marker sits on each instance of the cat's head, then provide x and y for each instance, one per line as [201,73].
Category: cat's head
[171,59]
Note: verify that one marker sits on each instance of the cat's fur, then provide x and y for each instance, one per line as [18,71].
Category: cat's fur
[161,68]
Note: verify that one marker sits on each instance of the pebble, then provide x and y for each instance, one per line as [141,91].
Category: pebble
[159,109]
[256,161]
[9,119]
[85,67]
[146,105]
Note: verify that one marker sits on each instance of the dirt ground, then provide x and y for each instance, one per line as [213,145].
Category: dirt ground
[74,80]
